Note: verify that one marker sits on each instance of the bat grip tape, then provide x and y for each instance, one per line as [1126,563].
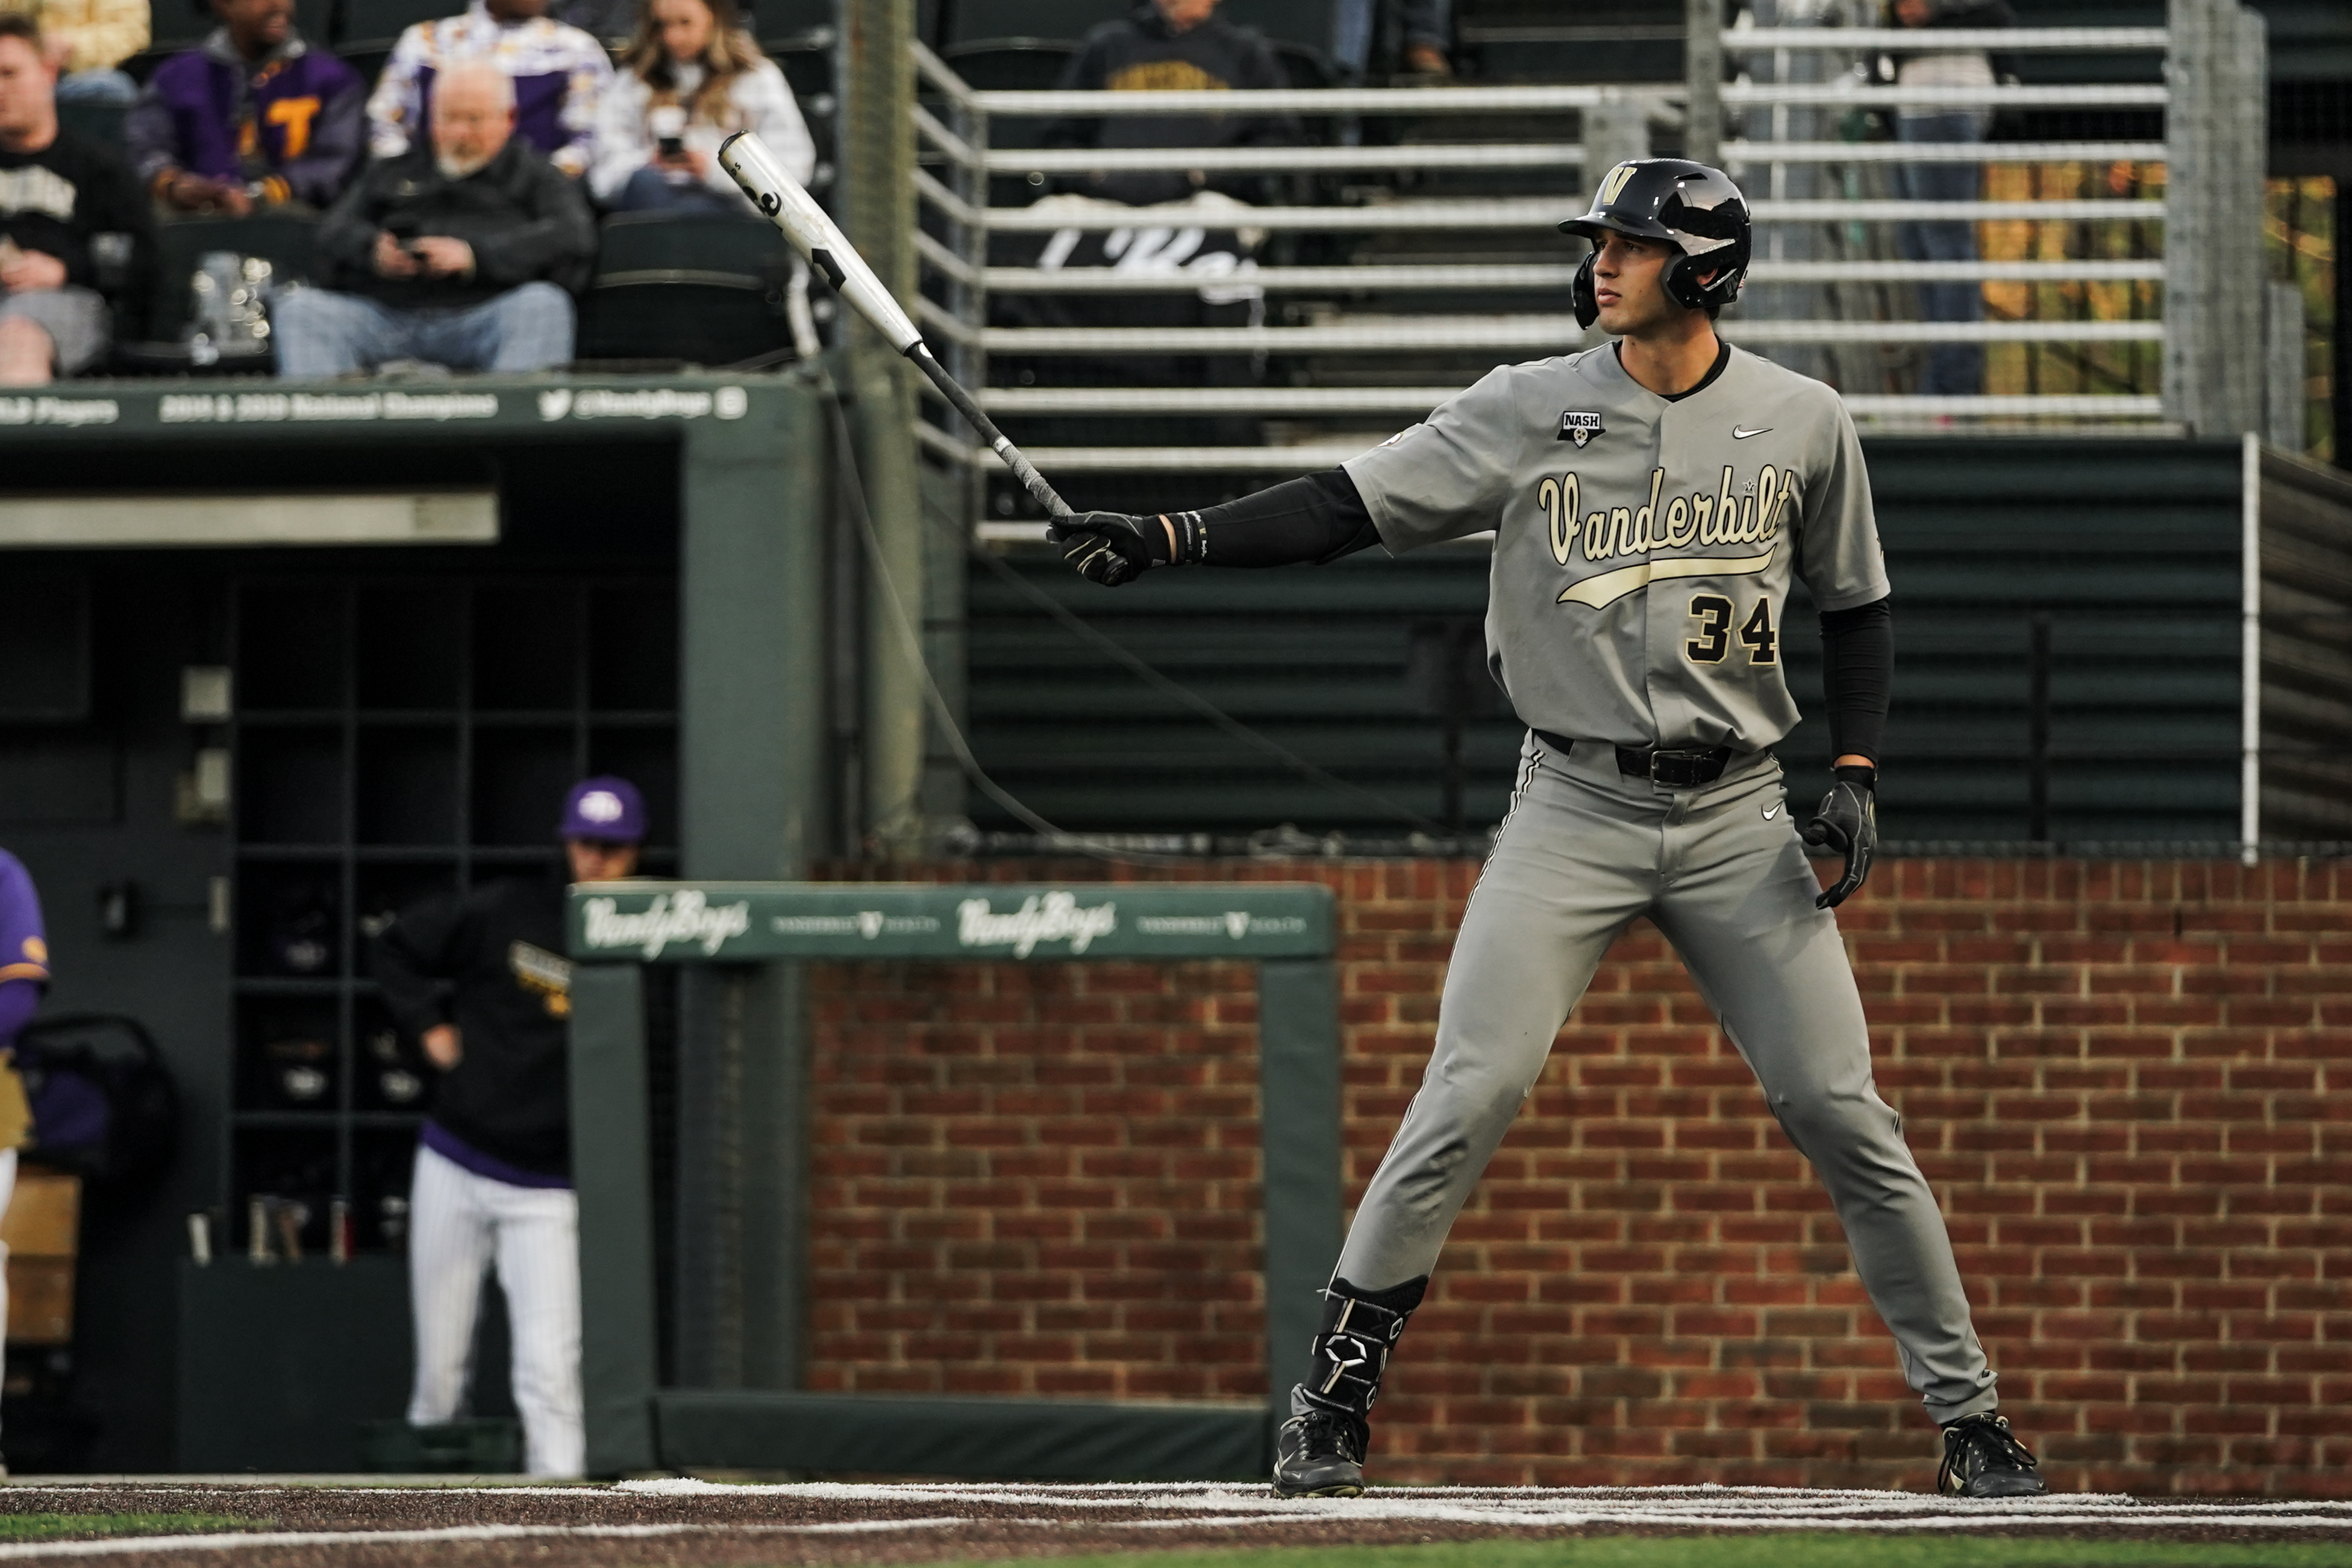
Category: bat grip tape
[963,403]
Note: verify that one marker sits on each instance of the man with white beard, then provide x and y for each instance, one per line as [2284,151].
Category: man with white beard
[464,252]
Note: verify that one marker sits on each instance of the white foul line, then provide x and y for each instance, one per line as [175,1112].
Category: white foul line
[245,1539]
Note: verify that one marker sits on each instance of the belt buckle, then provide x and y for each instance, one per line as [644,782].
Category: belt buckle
[1686,761]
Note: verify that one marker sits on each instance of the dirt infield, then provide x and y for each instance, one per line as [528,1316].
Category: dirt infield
[682,1522]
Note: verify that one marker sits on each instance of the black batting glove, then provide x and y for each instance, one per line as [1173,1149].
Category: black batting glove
[1110,548]
[1847,821]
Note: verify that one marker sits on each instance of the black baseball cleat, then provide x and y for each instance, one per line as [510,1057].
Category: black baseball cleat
[1982,1459]
[1320,1454]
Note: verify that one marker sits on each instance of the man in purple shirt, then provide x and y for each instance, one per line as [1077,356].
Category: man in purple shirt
[255,117]
[480,980]
[23,976]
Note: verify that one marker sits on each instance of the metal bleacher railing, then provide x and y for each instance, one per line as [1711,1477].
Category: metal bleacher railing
[1391,289]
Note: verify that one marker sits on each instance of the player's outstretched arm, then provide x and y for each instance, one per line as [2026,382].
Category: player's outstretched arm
[1313,520]
[1858,678]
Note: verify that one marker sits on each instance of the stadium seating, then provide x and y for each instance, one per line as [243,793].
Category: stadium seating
[377,24]
[704,290]
[1307,23]
[177,25]
[98,121]
[792,18]
[285,240]
[1304,22]
[974,21]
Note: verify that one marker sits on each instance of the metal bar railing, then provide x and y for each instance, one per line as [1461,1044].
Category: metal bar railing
[939,76]
[1942,151]
[1419,102]
[951,132]
[1437,276]
[1526,155]
[1465,334]
[1850,94]
[928,126]
[1541,214]
[1309,101]
[2007,40]
[1306,402]
[1288,160]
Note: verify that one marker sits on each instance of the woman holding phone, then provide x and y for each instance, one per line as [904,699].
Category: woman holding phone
[691,78]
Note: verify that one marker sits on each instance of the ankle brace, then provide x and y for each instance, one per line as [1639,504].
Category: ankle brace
[1351,1349]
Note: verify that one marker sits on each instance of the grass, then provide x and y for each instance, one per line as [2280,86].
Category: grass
[59,1526]
[1793,1548]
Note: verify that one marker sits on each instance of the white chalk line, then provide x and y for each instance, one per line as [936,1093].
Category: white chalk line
[241,1540]
[1700,1507]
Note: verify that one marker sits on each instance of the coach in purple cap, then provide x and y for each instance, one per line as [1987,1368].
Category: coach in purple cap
[480,980]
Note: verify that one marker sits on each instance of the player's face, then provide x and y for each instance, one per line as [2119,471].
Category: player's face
[594,860]
[1629,285]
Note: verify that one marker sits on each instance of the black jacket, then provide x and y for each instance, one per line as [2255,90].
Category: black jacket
[479,960]
[1141,54]
[57,200]
[527,222]
[1970,14]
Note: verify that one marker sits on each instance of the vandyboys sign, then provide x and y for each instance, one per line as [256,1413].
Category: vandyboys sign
[669,922]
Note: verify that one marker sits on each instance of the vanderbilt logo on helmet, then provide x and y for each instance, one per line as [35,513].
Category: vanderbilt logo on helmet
[1613,183]
[1580,425]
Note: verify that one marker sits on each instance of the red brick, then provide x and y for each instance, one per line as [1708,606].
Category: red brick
[2130,1083]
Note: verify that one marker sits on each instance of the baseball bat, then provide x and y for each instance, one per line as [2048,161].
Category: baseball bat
[813,235]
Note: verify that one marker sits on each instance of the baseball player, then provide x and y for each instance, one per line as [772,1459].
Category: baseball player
[1650,499]
[480,979]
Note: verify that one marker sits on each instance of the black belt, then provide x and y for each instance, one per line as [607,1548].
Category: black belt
[1676,769]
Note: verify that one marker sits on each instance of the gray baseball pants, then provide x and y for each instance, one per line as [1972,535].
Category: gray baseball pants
[1721,871]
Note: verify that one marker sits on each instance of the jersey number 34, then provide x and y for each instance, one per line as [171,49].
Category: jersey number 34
[1714,615]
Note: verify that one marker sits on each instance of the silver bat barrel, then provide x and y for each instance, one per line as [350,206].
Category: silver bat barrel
[813,234]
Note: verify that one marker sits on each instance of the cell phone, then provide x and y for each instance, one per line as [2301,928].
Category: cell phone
[672,146]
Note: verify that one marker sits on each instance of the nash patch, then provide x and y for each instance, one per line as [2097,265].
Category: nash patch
[1580,425]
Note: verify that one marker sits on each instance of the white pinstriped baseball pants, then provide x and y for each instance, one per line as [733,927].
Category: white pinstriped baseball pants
[461,1224]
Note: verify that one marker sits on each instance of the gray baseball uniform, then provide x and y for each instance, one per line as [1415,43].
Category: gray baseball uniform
[1642,561]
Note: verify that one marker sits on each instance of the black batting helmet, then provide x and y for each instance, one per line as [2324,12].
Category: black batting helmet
[1688,205]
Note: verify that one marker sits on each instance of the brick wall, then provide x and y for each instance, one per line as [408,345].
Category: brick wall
[2130,1086]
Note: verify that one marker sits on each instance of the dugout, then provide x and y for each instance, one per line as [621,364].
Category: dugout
[278,659]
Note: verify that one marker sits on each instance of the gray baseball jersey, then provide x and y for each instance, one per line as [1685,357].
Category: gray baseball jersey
[1643,546]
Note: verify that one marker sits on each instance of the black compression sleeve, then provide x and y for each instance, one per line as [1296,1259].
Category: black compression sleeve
[1858,676]
[1318,518]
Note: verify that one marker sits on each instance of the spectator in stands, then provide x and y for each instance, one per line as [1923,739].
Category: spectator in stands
[691,78]
[73,223]
[463,252]
[255,116]
[86,42]
[1427,26]
[1953,369]
[558,74]
[1171,45]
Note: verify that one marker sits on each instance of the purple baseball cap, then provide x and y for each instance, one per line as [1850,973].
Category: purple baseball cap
[606,809]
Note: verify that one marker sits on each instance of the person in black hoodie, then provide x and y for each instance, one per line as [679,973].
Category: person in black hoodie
[478,978]
[1162,46]
[73,223]
[463,252]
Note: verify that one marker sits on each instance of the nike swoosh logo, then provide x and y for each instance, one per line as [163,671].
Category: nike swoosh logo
[1771,812]
[1740,435]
